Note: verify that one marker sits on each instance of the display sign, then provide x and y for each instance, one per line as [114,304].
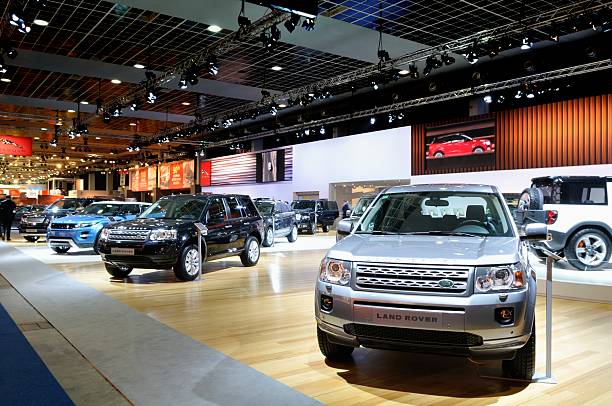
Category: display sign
[143,179]
[270,166]
[205,173]
[122,179]
[176,175]
[20,146]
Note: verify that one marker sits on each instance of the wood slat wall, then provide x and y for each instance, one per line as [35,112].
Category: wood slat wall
[565,133]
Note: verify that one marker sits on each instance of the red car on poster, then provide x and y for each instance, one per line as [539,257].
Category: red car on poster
[457,144]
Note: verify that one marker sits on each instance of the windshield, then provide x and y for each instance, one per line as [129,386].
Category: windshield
[175,209]
[303,204]
[65,204]
[361,206]
[264,208]
[99,209]
[446,213]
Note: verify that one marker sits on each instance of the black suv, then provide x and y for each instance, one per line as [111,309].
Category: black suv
[165,236]
[313,213]
[279,220]
[34,225]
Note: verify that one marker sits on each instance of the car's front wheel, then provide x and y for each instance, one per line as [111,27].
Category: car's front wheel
[325,229]
[588,250]
[31,238]
[478,150]
[523,364]
[293,235]
[61,250]
[269,237]
[250,255]
[188,266]
[438,154]
[331,350]
[118,271]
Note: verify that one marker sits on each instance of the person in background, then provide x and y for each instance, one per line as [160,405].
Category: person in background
[2,210]
[7,215]
[346,207]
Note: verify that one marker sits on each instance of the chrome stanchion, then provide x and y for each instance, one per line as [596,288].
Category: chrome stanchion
[202,231]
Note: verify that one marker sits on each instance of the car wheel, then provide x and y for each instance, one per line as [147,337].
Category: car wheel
[188,266]
[61,250]
[31,238]
[438,154]
[269,238]
[95,246]
[523,364]
[293,235]
[331,350]
[250,255]
[118,271]
[588,250]
[325,229]
[478,150]
[531,199]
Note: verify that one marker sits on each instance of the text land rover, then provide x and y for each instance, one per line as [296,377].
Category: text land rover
[435,269]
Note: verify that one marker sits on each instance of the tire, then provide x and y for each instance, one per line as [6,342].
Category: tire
[31,238]
[523,365]
[531,199]
[293,235]
[250,255]
[589,249]
[95,246]
[325,229]
[61,250]
[189,263]
[118,271]
[331,350]
[268,238]
[478,150]
[438,154]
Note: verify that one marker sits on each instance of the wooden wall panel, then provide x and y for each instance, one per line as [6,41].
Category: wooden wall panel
[565,133]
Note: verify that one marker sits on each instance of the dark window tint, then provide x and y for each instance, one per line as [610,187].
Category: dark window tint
[216,210]
[249,207]
[131,209]
[583,193]
[235,207]
[333,205]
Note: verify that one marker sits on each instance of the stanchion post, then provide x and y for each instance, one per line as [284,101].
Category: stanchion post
[202,230]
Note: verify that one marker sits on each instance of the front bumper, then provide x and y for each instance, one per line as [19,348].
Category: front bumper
[464,326]
[149,254]
[33,229]
[75,238]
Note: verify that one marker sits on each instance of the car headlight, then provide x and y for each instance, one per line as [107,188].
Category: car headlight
[499,278]
[160,235]
[335,271]
[46,220]
[83,225]
[298,216]
[104,234]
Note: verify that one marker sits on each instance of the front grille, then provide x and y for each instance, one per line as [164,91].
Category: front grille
[411,278]
[414,336]
[35,219]
[127,235]
[62,226]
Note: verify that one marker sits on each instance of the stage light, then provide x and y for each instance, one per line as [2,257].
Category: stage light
[309,24]
[404,72]
[527,42]
[5,80]
[292,22]
[115,81]
[501,99]
[414,71]
[518,94]
[16,19]
[488,99]
[116,111]
[182,82]
[427,70]
[139,66]
[375,85]
[276,68]
[10,52]
[213,28]
[134,105]
[273,110]
[471,57]
[322,130]
[213,65]
[372,120]
[447,59]
[383,55]
[275,33]
[151,95]
[243,22]
[106,117]
[41,23]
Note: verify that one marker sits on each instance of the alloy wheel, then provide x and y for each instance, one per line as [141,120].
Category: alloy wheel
[591,250]
[253,251]
[192,262]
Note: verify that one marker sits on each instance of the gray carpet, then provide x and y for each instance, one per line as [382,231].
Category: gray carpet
[150,363]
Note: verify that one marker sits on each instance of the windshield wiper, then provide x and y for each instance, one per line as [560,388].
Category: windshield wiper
[439,232]
[377,232]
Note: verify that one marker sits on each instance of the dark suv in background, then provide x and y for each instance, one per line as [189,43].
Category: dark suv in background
[34,225]
[312,213]
[279,220]
[165,236]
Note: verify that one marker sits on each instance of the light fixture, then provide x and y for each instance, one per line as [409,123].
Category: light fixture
[527,43]
[488,99]
[213,65]
[36,138]
[276,68]
[134,105]
[275,33]
[413,70]
[292,22]
[139,66]
[133,124]
[375,85]
[182,82]
[372,120]
[70,111]
[116,81]
[98,138]
[39,22]
[404,72]
[5,80]
[282,105]
[213,28]
[447,59]
[43,129]
[309,24]
[106,117]
[501,99]
[84,102]
[16,19]
[151,95]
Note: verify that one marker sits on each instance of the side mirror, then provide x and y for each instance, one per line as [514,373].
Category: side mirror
[344,227]
[535,232]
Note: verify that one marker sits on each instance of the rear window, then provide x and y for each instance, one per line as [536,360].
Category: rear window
[582,193]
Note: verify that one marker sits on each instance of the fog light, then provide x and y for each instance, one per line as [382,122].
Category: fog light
[327,303]
[504,315]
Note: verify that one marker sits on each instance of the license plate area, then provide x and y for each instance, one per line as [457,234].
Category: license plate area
[122,251]
[31,230]
[410,318]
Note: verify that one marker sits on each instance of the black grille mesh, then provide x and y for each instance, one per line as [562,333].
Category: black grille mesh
[416,336]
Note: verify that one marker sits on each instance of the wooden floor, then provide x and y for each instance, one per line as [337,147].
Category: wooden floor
[263,316]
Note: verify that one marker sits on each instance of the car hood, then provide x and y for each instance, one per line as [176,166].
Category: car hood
[80,218]
[151,224]
[426,249]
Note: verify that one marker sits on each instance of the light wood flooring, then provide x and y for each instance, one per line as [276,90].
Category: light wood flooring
[263,317]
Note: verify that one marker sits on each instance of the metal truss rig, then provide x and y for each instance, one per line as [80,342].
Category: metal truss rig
[455,94]
[224,45]
[456,46]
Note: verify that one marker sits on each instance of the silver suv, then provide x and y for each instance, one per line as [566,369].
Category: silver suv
[432,268]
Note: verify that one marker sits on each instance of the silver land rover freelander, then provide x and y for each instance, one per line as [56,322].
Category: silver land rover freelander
[432,268]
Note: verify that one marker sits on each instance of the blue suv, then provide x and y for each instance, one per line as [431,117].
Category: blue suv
[82,230]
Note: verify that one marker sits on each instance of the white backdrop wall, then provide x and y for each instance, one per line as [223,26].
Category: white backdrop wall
[380,155]
[513,181]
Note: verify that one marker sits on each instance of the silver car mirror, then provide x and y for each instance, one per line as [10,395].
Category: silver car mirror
[344,227]
[535,232]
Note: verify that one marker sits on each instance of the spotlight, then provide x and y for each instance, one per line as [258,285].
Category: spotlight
[264,93]
[273,109]
[134,105]
[383,55]
[447,59]
[375,85]
[243,22]
[518,94]
[307,132]
[10,52]
[391,118]
[322,130]
[501,99]
[275,33]
[435,62]
[427,70]
[413,70]
[527,42]
[53,142]
[16,19]
[471,57]
[106,117]
[192,75]
[372,120]
[488,99]
[292,22]
[116,111]
[309,24]
[182,82]
[213,65]
[151,95]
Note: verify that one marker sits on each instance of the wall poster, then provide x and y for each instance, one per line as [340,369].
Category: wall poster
[176,175]
[19,146]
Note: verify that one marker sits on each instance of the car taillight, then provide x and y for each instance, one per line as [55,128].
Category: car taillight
[551,216]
